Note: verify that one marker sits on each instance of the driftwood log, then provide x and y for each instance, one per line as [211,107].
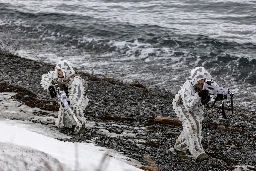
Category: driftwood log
[177,122]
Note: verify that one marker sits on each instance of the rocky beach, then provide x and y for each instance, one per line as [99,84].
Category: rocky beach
[122,116]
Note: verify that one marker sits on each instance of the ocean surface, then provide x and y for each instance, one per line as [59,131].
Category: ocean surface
[155,42]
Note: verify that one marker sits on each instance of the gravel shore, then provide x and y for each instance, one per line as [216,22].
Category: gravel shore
[121,117]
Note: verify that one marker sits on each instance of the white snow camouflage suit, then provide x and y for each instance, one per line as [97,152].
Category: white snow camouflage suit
[74,87]
[187,105]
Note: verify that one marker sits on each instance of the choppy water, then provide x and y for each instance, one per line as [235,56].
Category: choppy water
[155,42]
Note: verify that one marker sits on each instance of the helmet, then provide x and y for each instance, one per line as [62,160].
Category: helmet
[199,73]
[66,68]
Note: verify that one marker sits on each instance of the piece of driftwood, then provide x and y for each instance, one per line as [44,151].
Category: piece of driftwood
[177,122]
[148,168]
[168,120]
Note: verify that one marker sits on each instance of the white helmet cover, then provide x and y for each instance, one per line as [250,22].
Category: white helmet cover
[199,73]
[66,68]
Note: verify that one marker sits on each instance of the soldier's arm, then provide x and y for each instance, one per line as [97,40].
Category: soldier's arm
[190,97]
[47,79]
[76,91]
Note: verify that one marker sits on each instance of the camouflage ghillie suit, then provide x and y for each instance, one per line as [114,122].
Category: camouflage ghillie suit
[74,87]
[189,109]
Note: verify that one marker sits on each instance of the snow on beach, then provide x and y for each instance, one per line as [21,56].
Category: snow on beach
[221,144]
[27,146]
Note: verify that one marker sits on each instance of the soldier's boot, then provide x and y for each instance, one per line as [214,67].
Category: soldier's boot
[202,157]
[181,154]
[79,129]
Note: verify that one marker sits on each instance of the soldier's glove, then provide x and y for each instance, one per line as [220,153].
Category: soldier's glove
[205,97]
[52,91]
[63,98]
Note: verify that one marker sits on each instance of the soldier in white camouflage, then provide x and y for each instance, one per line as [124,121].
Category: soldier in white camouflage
[70,90]
[189,109]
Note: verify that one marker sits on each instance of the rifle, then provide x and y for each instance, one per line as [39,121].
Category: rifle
[220,94]
[55,91]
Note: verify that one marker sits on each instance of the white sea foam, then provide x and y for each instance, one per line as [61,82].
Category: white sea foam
[134,62]
[190,22]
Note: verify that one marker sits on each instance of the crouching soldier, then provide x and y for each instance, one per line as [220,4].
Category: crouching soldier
[70,90]
[189,109]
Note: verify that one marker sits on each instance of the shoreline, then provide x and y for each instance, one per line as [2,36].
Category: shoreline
[32,68]
[127,112]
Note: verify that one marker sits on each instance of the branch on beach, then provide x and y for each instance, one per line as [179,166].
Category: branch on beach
[152,166]
[137,84]
[168,120]
[177,122]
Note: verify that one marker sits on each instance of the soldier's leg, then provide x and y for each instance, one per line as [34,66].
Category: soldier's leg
[195,137]
[59,121]
[80,129]
[181,144]
[182,141]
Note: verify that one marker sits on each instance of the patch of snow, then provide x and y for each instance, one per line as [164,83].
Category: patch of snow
[33,146]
